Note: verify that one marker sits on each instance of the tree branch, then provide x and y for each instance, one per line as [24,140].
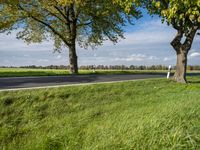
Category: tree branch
[52,29]
[84,24]
[189,39]
[176,43]
[60,11]
[46,24]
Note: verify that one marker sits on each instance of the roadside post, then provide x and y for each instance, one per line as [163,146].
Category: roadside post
[93,68]
[169,71]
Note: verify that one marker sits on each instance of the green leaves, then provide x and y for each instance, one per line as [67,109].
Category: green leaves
[89,22]
[182,14]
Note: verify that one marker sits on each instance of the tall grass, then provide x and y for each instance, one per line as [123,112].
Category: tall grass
[154,114]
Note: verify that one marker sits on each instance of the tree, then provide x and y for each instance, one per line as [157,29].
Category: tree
[66,22]
[184,16]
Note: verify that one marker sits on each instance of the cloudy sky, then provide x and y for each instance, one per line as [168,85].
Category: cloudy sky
[146,43]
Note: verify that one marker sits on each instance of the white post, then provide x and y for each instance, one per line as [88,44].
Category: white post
[94,67]
[169,71]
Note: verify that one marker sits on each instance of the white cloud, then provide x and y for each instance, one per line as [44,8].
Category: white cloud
[42,60]
[136,57]
[194,54]
[59,57]
[150,33]
[169,58]
[20,45]
[26,55]
[166,59]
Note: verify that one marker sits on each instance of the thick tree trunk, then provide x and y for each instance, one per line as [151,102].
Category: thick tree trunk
[181,67]
[182,50]
[73,61]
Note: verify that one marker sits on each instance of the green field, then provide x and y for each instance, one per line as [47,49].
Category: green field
[19,72]
[152,114]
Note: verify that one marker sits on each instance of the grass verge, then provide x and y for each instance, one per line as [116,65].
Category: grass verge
[19,72]
[151,114]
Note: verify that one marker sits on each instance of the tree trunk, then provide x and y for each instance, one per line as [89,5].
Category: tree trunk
[181,67]
[73,61]
[182,52]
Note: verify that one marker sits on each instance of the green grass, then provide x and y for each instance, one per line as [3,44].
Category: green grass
[153,114]
[19,72]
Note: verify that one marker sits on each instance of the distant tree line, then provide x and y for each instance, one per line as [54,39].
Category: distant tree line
[106,67]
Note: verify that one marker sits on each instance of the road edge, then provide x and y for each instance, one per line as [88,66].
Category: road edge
[74,85]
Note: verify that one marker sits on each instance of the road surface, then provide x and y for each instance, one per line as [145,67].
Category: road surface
[30,82]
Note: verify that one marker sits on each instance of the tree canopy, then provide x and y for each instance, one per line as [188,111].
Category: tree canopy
[95,20]
[182,14]
[66,21]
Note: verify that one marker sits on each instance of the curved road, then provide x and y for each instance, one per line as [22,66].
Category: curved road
[30,82]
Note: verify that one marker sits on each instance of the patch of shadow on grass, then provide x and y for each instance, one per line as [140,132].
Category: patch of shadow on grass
[194,82]
[54,143]
[42,111]
[64,95]
[7,101]
[96,114]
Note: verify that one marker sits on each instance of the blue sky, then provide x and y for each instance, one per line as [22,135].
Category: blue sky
[146,43]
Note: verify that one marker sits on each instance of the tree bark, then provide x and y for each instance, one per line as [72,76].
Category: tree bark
[181,66]
[182,53]
[73,61]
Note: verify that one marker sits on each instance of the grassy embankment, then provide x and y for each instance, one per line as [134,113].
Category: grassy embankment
[152,114]
[18,72]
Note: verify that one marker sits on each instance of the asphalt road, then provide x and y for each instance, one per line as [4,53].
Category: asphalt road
[29,82]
